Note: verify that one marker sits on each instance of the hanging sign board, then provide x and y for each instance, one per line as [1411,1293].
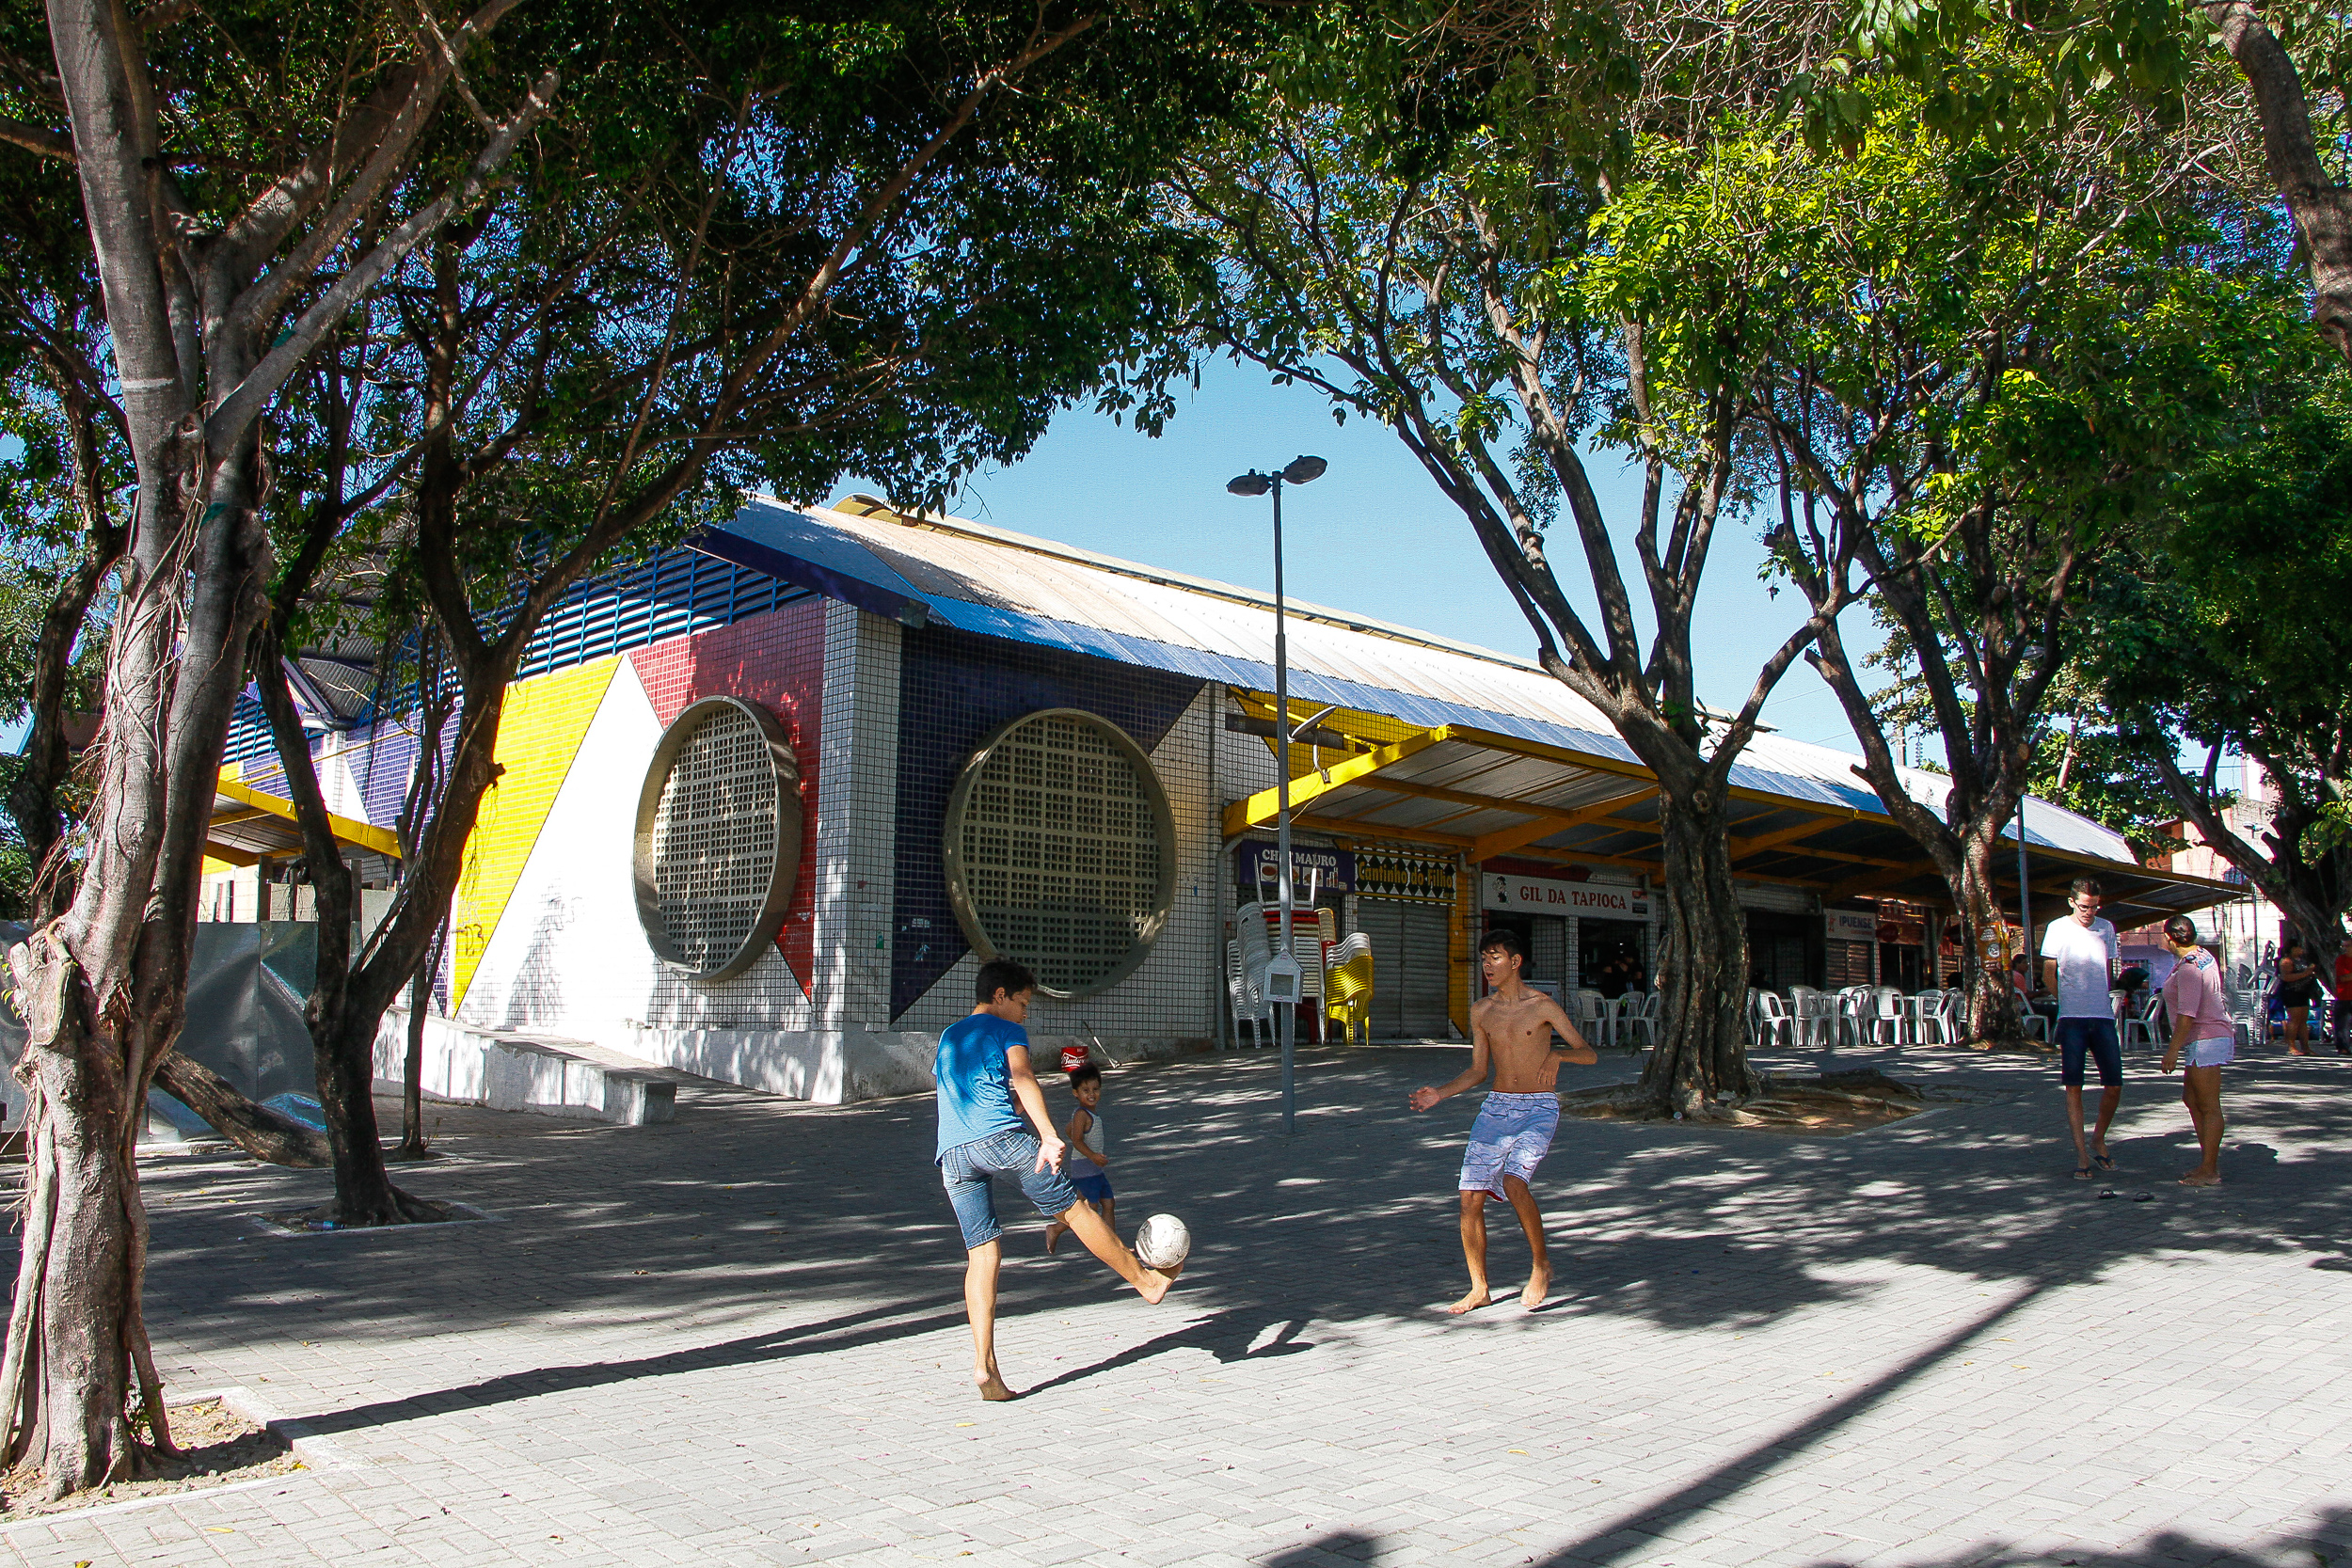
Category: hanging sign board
[1851,925]
[1415,878]
[1332,870]
[1544,896]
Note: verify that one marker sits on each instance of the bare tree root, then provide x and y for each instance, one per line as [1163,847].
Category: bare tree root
[1866,1084]
[1623,1101]
[1787,1100]
[408,1209]
[134,1340]
[20,1369]
[269,1138]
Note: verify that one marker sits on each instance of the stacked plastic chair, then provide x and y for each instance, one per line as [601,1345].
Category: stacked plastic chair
[1252,950]
[1347,988]
[1249,1005]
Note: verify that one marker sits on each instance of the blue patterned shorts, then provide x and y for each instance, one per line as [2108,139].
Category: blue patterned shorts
[1511,1136]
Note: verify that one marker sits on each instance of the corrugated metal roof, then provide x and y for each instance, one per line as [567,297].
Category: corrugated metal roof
[1002,584]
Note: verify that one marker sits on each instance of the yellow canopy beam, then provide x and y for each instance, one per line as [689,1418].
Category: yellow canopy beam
[360,835]
[1507,839]
[1263,807]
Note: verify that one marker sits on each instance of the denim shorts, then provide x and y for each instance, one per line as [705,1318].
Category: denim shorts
[2214,1050]
[1093,1186]
[965,1171]
[2096,1035]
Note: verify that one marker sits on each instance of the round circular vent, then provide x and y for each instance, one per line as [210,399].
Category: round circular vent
[718,838]
[1061,850]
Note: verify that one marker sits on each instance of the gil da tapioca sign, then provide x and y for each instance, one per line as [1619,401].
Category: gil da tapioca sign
[1542,895]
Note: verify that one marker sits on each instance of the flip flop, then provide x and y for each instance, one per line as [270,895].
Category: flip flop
[2104,1161]
[2082,1173]
[2143,1198]
[2110,1192]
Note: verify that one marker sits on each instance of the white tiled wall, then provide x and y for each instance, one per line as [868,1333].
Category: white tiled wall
[857,806]
[568,957]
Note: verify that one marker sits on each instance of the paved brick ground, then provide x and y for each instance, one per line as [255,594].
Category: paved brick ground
[739,1340]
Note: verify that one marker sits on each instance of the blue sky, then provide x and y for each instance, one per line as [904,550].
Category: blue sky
[1372,536]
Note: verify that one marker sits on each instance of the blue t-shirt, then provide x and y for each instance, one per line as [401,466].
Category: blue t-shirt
[974,1091]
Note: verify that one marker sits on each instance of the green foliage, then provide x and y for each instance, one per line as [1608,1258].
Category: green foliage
[2231,632]
[673,300]
[2007,76]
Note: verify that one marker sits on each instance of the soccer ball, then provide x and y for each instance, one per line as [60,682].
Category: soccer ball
[1162,1243]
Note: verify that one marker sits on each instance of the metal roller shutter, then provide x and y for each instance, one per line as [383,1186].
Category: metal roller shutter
[1409,968]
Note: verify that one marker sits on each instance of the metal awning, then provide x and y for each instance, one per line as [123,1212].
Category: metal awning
[1481,793]
[1519,764]
[249,826]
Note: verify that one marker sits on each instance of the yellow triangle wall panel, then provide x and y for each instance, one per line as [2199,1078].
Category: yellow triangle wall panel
[538,736]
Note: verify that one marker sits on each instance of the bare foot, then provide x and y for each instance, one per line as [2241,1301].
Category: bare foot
[1538,1287]
[1054,1234]
[2202,1179]
[1470,1303]
[993,1387]
[1154,1285]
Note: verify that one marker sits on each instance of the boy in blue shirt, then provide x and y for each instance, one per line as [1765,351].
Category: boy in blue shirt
[986,1090]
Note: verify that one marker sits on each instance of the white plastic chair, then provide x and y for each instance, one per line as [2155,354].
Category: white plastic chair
[1937,1024]
[1815,1013]
[1856,1004]
[1584,1007]
[1886,1021]
[1773,1025]
[2142,1024]
[1642,1020]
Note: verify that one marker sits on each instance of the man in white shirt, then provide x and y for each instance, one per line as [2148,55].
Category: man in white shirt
[2078,961]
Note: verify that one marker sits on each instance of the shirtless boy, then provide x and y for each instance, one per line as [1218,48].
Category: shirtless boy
[1511,1034]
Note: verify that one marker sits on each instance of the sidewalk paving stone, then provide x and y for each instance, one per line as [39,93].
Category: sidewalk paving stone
[739,1338]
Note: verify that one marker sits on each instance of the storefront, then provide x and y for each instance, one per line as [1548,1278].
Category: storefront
[1850,948]
[1579,934]
[772,798]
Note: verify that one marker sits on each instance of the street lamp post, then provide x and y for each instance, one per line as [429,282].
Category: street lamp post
[1299,470]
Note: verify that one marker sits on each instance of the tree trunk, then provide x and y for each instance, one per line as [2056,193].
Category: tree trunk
[2321,208]
[1703,963]
[76,1330]
[364,1193]
[412,1143]
[1992,1000]
[342,1025]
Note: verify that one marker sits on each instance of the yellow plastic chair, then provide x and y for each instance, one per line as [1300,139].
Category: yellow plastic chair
[1347,988]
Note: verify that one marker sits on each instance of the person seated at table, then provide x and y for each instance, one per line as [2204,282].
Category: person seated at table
[1611,979]
[2020,975]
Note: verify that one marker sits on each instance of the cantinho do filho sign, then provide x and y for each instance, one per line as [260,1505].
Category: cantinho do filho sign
[1542,895]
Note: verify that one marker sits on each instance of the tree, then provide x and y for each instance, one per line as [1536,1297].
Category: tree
[1970,383]
[2230,637]
[245,178]
[889,239]
[1420,240]
[2023,72]
[61,526]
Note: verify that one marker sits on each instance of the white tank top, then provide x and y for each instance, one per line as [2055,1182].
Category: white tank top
[1099,1140]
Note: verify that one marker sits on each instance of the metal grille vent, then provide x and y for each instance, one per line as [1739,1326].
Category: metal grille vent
[1060,850]
[718,838]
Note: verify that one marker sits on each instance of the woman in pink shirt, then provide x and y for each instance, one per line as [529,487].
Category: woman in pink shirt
[2204,1034]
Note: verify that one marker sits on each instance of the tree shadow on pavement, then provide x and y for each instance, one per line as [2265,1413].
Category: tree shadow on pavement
[747,1206]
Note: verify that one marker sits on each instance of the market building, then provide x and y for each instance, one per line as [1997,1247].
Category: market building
[771,798]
